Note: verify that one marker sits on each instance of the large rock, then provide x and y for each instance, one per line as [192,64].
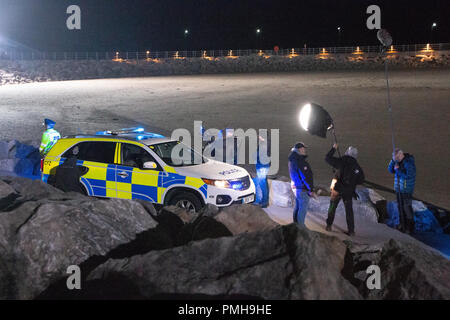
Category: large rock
[40,238]
[5,189]
[245,218]
[412,272]
[408,271]
[284,263]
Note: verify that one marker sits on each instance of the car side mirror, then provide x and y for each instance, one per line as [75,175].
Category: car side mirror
[149,165]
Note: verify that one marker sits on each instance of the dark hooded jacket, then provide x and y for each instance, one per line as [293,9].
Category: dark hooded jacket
[348,173]
[300,172]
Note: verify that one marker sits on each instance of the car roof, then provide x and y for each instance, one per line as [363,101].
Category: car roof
[143,138]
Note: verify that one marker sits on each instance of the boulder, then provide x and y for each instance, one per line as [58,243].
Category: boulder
[245,218]
[202,228]
[283,263]
[185,216]
[5,189]
[409,271]
[40,238]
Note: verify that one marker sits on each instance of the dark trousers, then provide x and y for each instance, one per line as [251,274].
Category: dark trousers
[405,211]
[348,203]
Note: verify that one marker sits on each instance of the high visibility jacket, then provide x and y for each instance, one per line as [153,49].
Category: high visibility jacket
[49,138]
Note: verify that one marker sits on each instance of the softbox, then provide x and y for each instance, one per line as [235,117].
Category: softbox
[315,119]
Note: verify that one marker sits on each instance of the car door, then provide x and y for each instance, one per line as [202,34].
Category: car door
[99,158]
[135,182]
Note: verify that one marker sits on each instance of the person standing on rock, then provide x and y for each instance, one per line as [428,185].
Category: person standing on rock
[348,175]
[302,182]
[404,168]
[49,137]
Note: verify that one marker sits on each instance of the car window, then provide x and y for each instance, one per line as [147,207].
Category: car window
[164,151]
[135,156]
[95,151]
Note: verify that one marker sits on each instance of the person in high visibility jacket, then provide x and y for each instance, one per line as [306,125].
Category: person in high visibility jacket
[49,137]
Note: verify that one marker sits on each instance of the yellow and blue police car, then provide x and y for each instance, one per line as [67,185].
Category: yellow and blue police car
[140,166]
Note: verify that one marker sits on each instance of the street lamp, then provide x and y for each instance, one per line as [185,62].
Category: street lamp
[433,26]
[258,32]
[339,36]
[186,33]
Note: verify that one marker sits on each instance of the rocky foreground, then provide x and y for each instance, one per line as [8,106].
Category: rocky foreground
[130,250]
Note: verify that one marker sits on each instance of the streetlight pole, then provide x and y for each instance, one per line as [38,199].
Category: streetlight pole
[258,33]
[339,36]
[186,34]
[433,26]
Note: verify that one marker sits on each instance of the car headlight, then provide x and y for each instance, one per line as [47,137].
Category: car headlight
[225,184]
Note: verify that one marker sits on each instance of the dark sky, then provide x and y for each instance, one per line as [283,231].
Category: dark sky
[129,25]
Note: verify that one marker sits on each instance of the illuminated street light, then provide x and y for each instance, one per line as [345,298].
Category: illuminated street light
[433,26]
[186,33]
[339,36]
[258,36]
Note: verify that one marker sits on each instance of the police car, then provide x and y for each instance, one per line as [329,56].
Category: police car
[138,165]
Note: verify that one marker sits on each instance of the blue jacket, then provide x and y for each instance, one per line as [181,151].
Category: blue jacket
[300,172]
[405,175]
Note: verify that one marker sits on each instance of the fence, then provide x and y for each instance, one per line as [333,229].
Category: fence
[116,55]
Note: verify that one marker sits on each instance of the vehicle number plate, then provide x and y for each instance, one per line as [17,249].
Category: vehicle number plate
[248,199]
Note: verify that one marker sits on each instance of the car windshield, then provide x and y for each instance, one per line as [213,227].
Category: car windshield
[177,154]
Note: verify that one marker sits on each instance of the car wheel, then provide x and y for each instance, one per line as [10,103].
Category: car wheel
[187,201]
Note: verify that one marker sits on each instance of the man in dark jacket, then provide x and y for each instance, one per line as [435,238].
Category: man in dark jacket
[66,176]
[348,175]
[302,181]
[404,168]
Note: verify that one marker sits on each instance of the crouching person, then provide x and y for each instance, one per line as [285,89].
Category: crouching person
[302,182]
[404,168]
[348,175]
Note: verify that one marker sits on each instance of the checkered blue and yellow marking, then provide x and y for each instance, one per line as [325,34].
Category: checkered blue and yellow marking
[117,181]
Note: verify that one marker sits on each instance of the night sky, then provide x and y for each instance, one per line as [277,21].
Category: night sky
[130,25]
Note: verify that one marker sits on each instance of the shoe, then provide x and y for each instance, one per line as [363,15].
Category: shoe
[328,228]
[350,234]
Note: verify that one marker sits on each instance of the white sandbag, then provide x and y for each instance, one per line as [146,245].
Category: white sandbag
[418,206]
[281,194]
[374,196]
